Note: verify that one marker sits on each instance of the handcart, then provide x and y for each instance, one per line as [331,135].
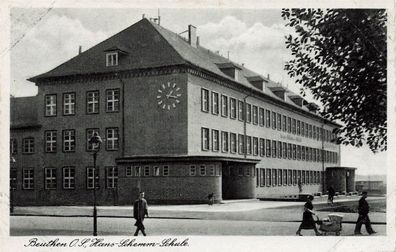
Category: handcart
[332,224]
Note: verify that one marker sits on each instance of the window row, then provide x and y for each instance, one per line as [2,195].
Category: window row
[219,104]
[194,170]
[225,142]
[286,177]
[92,102]
[67,178]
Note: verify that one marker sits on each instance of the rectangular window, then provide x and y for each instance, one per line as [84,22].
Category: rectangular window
[28,145]
[137,171]
[232,108]
[112,139]
[69,177]
[249,145]
[294,151]
[50,178]
[294,126]
[298,152]
[294,177]
[262,147]
[268,147]
[288,124]
[240,171]
[215,103]
[308,177]
[13,179]
[306,130]
[284,123]
[147,171]
[13,146]
[91,173]
[224,105]
[165,170]
[224,141]
[257,178]
[112,177]
[240,111]
[280,177]
[112,100]
[89,134]
[307,154]
[302,129]
[269,177]
[303,153]
[279,121]
[284,174]
[156,171]
[267,118]
[311,177]
[241,144]
[50,141]
[255,146]
[205,138]
[262,177]
[248,113]
[193,170]
[289,177]
[273,120]
[69,103]
[255,115]
[111,59]
[274,149]
[202,170]
[233,143]
[310,131]
[314,132]
[274,177]
[211,170]
[299,177]
[28,178]
[128,171]
[92,102]
[289,151]
[279,149]
[303,177]
[284,150]
[215,140]
[298,127]
[204,100]
[50,105]
[69,140]
[261,117]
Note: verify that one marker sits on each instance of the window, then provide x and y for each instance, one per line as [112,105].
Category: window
[112,139]
[288,124]
[111,59]
[112,100]
[267,118]
[112,176]
[247,171]
[284,150]
[279,121]
[241,142]
[69,103]
[193,170]
[274,149]
[248,113]
[91,173]
[13,179]
[280,177]
[284,123]
[240,171]
[298,127]
[302,129]
[289,177]
[294,126]
[13,146]
[257,178]
[224,106]
[165,170]
[204,100]
[50,141]
[90,133]
[306,129]
[262,147]
[249,145]
[294,151]
[308,177]
[302,153]
[255,146]
[28,178]
[314,132]
[156,171]
[240,111]
[28,145]
[215,103]
[294,177]
[137,171]
[279,149]
[269,177]
[274,177]
[268,147]
[284,174]
[232,108]
[92,102]
[68,177]
[147,171]
[310,131]
[273,120]
[50,178]
[224,141]
[233,143]
[311,177]
[128,171]
[261,117]
[255,114]
[289,151]
[299,177]
[211,170]
[205,138]
[69,140]
[298,152]
[262,177]
[215,140]
[202,170]
[303,181]
[50,105]
[307,154]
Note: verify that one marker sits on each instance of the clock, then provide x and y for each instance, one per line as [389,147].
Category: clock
[168,96]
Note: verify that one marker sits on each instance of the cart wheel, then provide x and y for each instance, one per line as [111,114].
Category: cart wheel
[338,233]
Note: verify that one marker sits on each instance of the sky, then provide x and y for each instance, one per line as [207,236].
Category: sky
[42,39]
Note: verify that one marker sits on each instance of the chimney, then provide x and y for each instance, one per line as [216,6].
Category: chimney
[192,35]
[79,49]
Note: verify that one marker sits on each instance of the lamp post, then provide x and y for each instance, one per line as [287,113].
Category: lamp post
[95,141]
[12,186]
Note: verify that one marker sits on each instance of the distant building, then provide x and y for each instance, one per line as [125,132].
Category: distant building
[372,186]
[179,122]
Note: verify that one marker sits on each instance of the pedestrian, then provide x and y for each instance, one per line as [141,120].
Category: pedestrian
[363,216]
[140,210]
[330,198]
[308,221]
[210,199]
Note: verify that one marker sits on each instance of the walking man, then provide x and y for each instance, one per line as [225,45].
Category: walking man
[363,216]
[139,212]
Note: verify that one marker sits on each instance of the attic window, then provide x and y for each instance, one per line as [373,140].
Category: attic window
[112,59]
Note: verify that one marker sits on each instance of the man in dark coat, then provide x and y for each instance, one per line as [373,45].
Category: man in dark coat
[363,216]
[331,195]
[139,212]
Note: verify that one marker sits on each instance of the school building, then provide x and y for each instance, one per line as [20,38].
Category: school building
[177,121]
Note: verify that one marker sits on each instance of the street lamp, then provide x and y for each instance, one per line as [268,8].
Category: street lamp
[95,141]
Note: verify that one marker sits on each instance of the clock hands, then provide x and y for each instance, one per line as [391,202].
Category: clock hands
[171,96]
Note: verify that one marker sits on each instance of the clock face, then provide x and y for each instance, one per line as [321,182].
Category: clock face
[168,96]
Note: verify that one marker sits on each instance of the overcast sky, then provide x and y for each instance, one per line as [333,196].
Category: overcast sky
[41,39]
